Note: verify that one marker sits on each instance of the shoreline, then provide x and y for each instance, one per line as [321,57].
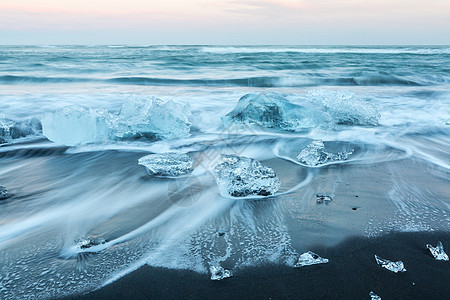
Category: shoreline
[350,274]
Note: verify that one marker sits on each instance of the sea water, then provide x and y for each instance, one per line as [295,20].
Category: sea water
[75,120]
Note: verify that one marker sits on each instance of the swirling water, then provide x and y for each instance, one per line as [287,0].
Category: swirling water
[395,178]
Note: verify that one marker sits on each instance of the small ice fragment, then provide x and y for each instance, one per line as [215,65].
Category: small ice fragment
[390,265]
[3,193]
[167,164]
[89,242]
[309,258]
[218,272]
[374,296]
[323,199]
[240,176]
[438,251]
[315,154]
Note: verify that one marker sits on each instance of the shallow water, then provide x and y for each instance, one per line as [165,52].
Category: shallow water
[396,178]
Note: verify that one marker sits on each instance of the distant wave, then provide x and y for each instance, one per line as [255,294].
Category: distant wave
[231,50]
[268,81]
[264,81]
[12,79]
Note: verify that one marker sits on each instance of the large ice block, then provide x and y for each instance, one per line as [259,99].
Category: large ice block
[152,117]
[76,125]
[346,107]
[272,110]
[142,118]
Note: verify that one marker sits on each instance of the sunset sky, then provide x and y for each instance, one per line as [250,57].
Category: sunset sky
[146,22]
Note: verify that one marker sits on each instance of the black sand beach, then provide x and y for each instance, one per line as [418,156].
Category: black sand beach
[350,274]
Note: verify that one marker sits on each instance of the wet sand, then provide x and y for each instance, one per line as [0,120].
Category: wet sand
[351,274]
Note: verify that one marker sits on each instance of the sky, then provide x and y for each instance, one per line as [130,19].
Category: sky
[225,22]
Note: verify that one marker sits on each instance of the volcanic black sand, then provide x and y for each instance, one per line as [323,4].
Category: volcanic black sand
[350,274]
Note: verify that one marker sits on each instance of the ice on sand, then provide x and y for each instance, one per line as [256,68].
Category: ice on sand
[218,272]
[142,118]
[438,251]
[272,110]
[315,154]
[10,129]
[167,164]
[390,265]
[76,125]
[309,258]
[152,117]
[240,176]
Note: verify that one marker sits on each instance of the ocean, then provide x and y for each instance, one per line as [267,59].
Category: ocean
[358,136]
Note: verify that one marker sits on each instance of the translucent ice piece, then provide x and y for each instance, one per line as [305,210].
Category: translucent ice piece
[272,110]
[76,125]
[10,129]
[142,118]
[314,154]
[390,265]
[346,107]
[218,272]
[3,193]
[438,251]
[89,242]
[240,176]
[374,296]
[323,199]
[153,117]
[309,258]
[167,164]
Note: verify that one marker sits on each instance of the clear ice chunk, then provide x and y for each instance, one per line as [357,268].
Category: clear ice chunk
[438,251]
[272,110]
[314,154]
[218,272]
[390,265]
[3,193]
[153,117]
[309,258]
[10,129]
[143,118]
[240,176]
[374,296]
[76,125]
[323,199]
[167,164]
[89,242]
[346,107]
